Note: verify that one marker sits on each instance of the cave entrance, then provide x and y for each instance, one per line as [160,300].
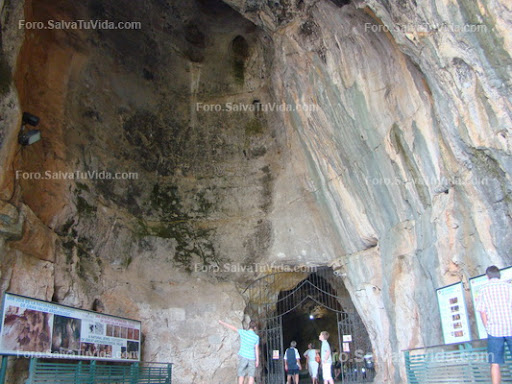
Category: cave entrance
[303,302]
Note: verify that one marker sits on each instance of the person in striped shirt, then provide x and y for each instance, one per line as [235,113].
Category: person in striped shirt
[249,352]
[494,303]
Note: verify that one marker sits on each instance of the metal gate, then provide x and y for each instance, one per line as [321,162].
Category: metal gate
[273,296]
[273,365]
[355,349]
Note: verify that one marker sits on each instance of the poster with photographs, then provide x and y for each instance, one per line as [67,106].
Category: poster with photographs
[475,283]
[454,315]
[36,328]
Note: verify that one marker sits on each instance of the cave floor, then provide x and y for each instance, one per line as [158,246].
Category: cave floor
[305,379]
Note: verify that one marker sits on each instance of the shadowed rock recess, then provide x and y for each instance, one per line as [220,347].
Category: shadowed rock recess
[371,136]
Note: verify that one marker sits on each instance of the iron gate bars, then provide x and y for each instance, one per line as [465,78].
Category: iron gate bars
[280,293]
[273,296]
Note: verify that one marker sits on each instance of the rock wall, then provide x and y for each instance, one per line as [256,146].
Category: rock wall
[194,182]
[406,157]
[370,136]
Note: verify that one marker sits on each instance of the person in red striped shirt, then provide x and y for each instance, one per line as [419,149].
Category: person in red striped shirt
[494,303]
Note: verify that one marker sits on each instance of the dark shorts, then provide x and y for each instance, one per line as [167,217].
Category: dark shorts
[496,348]
[293,371]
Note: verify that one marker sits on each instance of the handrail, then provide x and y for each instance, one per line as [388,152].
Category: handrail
[74,371]
[443,345]
[3,369]
[445,363]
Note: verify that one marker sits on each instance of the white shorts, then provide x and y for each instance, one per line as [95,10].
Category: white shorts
[326,371]
[313,369]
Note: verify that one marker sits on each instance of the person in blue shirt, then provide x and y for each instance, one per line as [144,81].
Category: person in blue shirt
[249,352]
[292,363]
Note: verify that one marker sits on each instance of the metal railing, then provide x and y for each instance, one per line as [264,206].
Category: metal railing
[453,363]
[3,369]
[94,372]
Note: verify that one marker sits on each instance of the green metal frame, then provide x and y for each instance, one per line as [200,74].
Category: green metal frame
[93,372]
[3,369]
[453,363]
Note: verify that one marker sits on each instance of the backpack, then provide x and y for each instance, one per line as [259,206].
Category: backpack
[291,358]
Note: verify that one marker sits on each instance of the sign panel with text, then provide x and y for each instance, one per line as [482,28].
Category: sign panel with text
[454,314]
[37,328]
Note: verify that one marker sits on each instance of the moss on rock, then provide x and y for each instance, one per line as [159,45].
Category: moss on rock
[5,76]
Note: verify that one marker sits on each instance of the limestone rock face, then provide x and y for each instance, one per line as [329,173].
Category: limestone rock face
[214,141]
[27,275]
[11,222]
[406,157]
[155,167]
[38,240]
[12,39]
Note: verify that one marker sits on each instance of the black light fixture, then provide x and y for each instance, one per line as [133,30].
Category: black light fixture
[28,137]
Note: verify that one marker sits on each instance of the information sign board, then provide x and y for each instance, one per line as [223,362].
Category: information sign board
[454,315]
[36,328]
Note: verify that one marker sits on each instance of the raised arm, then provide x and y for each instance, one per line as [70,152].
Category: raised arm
[232,327]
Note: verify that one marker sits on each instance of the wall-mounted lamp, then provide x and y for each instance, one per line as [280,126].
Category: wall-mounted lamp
[28,137]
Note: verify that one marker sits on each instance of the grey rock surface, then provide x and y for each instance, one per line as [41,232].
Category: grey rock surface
[369,136]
